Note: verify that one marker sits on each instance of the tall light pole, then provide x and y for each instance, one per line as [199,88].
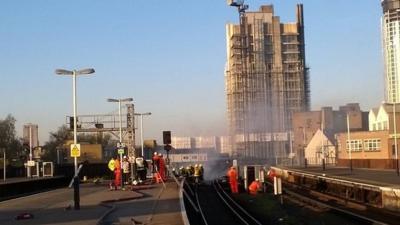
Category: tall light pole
[120,128]
[4,164]
[30,151]
[304,146]
[395,138]
[75,73]
[349,142]
[322,139]
[141,128]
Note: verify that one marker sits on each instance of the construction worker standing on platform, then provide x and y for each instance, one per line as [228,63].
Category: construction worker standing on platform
[156,166]
[117,173]
[254,187]
[162,169]
[232,176]
[141,168]
[111,167]
[125,170]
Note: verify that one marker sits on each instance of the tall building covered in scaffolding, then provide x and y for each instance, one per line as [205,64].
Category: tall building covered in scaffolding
[391,49]
[266,80]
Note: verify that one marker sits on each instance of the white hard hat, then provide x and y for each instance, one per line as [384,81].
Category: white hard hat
[155,153]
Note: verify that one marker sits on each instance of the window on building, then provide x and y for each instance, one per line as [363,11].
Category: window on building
[355,145]
[372,145]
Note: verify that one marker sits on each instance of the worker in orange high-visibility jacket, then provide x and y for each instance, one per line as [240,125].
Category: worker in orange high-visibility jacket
[254,187]
[232,176]
[162,168]
[117,173]
[156,168]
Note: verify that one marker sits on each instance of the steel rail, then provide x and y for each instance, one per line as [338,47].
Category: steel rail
[199,207]
[220,190]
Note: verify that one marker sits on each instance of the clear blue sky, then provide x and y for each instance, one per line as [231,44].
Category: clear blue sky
[169,56]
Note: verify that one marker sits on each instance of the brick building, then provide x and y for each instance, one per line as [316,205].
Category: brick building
[306,124]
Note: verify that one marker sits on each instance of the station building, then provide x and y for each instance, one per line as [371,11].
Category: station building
[314,131]
[376,147]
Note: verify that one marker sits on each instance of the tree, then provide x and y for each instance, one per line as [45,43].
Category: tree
[8,139]
[56,141]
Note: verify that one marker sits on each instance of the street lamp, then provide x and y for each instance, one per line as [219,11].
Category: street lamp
[322,143]
[4,164]
[30,151]
[75,73]
[349,142]
[120,128]
[395,138]
[304,145]
[141,128]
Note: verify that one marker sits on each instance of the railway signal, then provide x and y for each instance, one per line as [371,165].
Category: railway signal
[167,137]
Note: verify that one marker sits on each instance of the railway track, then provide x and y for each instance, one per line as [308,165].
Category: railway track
[305,199]
[214,206]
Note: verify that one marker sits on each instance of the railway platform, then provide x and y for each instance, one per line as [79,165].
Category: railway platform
[376,189]
[145,204]
[381,178]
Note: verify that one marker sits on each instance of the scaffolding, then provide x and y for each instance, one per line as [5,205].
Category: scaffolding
[266,81]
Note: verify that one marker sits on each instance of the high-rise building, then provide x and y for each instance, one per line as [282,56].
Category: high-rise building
[391,48]
[31,133]
[266,80]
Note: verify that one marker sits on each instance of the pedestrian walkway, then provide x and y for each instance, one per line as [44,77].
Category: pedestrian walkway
[25,179]
[159,205]
[150,204]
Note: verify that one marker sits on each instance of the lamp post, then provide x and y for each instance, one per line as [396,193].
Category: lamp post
[4,164]
[322,141]
[395,138]
[349,142]
[304,146]
[141,128]
[30,151]
[75,73]
[120,128]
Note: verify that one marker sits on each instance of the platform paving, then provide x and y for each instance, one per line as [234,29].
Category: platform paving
[150,204]
[380,178]
[25,179]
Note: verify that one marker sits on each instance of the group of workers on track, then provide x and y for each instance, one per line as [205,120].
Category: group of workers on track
[159,173]
[192,173]
[232,175]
